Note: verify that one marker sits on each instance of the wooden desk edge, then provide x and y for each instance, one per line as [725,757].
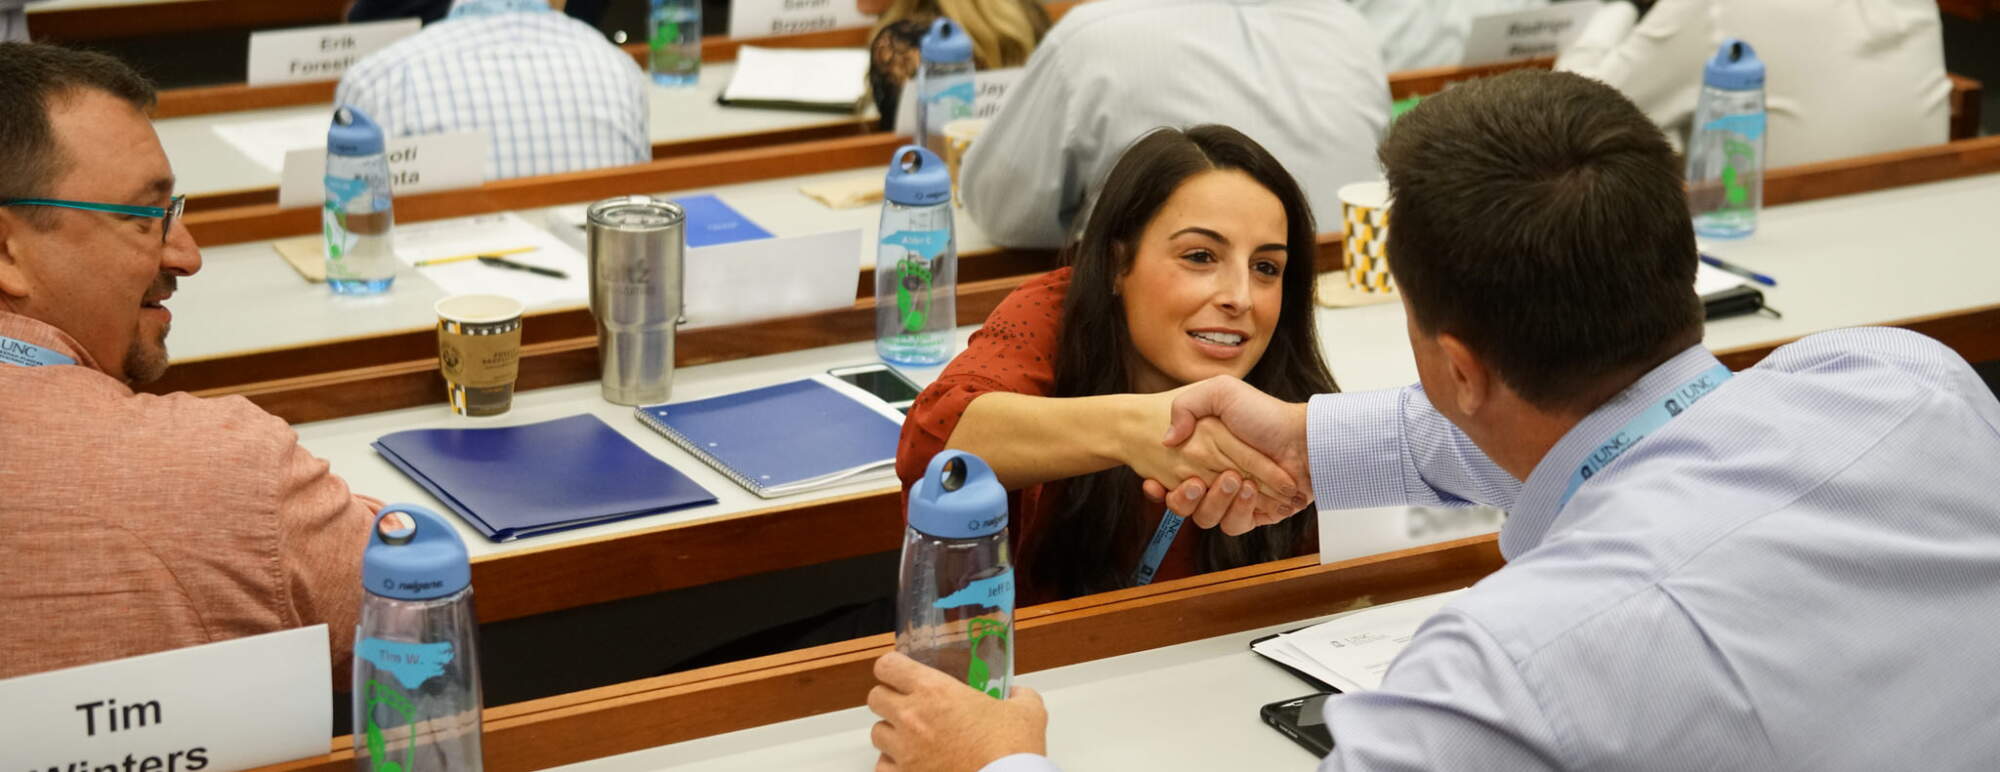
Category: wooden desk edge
[570,728]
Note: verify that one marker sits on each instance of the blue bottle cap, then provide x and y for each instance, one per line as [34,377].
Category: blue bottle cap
[946,42]
[352,133]
[1735,67]
[959,498]
[414,554]
[917,177]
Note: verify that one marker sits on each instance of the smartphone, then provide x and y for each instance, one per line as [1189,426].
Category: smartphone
[882,381]
[1304,720]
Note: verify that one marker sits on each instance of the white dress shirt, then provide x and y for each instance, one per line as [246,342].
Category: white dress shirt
[1303,78]
[1843,78]
[550,92]
[1796,572]
[1417,34]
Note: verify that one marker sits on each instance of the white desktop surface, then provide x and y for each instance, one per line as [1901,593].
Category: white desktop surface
[249,281]
[1191,706]
[205,163]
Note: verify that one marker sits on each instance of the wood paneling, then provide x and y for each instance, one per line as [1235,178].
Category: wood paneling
[159,19]
[700,703]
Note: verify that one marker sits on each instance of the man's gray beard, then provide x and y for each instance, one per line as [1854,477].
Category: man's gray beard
[141,364]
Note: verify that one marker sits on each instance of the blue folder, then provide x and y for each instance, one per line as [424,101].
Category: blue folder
[515,481]
[783,439]
[711,222]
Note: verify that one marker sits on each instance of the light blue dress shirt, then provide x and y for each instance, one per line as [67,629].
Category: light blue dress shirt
[549,91]
[1800,571]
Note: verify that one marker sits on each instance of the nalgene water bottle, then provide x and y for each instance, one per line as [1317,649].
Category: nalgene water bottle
[1725,158]
[944,82]
[674,44]
[416,660]
[359,214]
[916,262]
[955,605]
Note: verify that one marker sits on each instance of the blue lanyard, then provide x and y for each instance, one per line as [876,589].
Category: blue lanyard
[1156,550]
[25,354]
[1647,422]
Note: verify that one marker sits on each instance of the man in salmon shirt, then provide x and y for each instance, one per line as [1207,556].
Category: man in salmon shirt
[132,523]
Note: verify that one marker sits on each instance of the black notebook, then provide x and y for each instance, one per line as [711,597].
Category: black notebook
[515,481]
[784,439]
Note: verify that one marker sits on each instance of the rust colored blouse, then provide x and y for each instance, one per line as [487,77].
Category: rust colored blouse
[1015,352]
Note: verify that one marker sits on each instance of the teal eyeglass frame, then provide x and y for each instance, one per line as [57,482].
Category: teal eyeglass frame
[166,215]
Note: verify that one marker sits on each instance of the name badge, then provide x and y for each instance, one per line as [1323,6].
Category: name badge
[24,354]
[220,707]
[320,53]
[1527,34]
[416,165]
[761,18]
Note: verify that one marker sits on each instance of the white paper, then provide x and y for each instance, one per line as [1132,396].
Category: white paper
[267,142]
[219,707]
[416,165]
[810,75]
[759,18]
[491,233]
[770,278]
[320,53]
[1709,280]
[1357,648]
[1527,34]
[990,89]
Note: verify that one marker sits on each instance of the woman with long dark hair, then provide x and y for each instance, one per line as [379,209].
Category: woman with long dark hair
[1197,260]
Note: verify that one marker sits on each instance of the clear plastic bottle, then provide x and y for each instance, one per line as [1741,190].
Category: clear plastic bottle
[955,603]
[359,219]
[416,658]
[944,82]
[916,262]
[675,42]
[1725,159]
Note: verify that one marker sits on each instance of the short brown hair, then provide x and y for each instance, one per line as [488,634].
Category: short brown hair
[32,77]
[1540,217]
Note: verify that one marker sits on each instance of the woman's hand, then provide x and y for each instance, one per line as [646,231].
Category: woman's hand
[1245,481]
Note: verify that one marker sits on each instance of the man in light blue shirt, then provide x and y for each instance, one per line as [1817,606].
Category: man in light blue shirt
[1791,567]
[551,94]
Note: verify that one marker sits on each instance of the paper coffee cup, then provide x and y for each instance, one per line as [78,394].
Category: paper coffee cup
[1364,215]
[958,138]
[479,351]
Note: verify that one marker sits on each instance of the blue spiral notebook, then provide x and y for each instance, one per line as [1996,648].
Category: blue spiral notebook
[515,481]
[784,439]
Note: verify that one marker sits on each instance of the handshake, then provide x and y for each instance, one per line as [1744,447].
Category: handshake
[1229,456]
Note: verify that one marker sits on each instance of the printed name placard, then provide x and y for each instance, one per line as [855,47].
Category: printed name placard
[1527,34]
[990,89]
[761,18]
[416,165]
[320,53]
[220,707]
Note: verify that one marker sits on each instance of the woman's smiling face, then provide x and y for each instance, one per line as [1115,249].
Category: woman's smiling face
[1203,293]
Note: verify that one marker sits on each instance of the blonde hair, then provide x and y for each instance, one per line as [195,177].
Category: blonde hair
[1003,32]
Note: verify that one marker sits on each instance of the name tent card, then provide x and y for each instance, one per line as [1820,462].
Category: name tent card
[1527,34]
[990,89]
[759,18]
[320,53]
[221,707]
[416,165]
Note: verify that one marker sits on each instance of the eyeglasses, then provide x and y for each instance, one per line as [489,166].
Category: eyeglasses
[166,216]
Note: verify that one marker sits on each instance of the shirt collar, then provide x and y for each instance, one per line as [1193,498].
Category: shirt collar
[40,333]
[1535,513]
[468,8]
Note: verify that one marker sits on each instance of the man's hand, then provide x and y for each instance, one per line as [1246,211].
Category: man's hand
[1271,426]
[1245,480]
[931,721]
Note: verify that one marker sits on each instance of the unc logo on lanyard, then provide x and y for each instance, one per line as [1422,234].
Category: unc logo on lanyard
[1645,423]
[25,354]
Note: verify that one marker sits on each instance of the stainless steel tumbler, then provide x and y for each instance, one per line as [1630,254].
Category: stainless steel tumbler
[636,271]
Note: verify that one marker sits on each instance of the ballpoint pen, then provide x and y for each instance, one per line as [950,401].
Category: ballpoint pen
[501,262]
[1746,273]
[473,256]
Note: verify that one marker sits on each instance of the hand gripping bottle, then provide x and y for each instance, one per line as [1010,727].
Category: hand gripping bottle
[1725,158]
[955,603]
[916,262]
[359,213]
[944,82]
[416,660]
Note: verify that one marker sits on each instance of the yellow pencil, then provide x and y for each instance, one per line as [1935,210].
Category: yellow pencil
[474,256]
